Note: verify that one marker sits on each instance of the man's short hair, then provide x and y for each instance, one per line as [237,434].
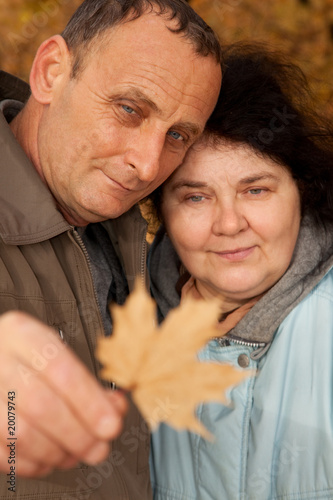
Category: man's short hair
[94,17]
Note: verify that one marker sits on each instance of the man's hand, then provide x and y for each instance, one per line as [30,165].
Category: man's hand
[62,414]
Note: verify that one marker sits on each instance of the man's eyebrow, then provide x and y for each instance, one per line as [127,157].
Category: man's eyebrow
[137,94]
[192,128]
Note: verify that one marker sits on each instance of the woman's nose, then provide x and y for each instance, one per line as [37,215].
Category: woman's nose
[229,219]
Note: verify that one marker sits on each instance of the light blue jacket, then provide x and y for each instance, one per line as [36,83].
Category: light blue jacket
[275,440]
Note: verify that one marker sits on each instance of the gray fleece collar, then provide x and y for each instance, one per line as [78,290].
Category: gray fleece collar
[312,259]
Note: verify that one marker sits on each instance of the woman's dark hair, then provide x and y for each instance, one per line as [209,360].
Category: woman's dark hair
[265,102]
[94,17]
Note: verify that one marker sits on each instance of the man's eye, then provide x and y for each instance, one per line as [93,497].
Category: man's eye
[175,135]
[255,191]
[128,109]
[196,198]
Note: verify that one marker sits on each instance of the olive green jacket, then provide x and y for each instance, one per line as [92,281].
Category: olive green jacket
[45,271]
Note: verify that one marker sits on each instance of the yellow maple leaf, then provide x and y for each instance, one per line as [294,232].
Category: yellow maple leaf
[159,365]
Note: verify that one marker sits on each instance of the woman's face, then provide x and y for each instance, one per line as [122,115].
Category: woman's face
[233,218]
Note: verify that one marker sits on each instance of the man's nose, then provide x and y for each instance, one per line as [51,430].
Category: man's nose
[145,155]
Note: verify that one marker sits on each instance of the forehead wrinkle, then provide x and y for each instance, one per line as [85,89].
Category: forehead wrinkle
[166,70]
[142,95]
[150,76]
[181,92]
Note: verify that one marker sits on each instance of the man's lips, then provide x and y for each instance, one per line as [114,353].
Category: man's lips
[121,186]
[236,254]
[126,185]
[118,185]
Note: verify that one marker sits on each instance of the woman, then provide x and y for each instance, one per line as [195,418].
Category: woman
[248,218]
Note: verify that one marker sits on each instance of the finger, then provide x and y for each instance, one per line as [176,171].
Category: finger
[23,467]
[119,399]
[51,420]
[27,339]
[31,444]
[68,463]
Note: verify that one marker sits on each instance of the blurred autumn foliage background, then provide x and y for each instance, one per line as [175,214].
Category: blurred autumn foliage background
[302,28]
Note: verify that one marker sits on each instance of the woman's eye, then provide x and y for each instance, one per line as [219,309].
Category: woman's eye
[128,109]
[175,135]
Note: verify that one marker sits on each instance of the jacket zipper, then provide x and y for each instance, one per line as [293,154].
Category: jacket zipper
[260,348]
[143,259]
[79,240]
[85,252]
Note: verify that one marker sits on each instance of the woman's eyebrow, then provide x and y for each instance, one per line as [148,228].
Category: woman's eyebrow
[258,177]
[187,183]
[184,183]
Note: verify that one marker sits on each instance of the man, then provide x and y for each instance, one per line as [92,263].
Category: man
[115,103]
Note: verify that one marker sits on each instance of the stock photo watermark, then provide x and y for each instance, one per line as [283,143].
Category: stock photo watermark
[289,453]
[11,445]
[279,121]
[30,29]
[132,439]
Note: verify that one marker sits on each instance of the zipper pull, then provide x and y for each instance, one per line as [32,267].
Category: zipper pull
[260,352]
[61,335]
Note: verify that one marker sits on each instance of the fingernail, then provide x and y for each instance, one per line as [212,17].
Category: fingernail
[107,427]
[96,454]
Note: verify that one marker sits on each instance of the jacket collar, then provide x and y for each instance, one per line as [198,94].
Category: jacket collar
[28,211]
[12,87]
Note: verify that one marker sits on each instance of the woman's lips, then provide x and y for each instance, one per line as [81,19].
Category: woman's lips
[237,254]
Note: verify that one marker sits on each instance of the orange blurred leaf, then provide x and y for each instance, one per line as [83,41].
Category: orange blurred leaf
[159,364]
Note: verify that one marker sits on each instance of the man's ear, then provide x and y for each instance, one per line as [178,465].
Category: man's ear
[52,63]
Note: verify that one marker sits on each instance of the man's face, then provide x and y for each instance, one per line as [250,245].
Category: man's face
[111,136]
